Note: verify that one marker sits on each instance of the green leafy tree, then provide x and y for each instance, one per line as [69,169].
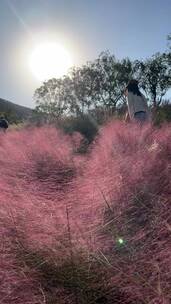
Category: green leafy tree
[50,98]
[79,90]
[169,41]
[155,77]
[70,94]
[110,81]
[97,84]
[169,49]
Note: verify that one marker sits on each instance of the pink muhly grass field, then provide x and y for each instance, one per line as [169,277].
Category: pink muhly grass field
[86,229]
[128,182]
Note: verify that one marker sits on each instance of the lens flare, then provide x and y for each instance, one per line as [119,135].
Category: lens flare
[120,241]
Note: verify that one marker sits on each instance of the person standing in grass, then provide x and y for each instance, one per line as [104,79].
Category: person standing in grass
[3,124]
[137,104]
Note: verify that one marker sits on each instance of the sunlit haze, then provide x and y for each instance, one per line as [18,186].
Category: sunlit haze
[49,60]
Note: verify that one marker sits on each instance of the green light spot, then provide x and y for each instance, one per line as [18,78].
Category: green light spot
[120,241]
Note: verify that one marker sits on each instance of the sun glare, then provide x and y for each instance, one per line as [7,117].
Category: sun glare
[49,60]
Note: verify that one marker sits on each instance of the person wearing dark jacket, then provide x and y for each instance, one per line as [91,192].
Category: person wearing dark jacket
[3,124]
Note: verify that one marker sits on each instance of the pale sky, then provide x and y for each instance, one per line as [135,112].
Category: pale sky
[127,28]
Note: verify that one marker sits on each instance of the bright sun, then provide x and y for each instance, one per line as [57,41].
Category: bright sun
[49,60]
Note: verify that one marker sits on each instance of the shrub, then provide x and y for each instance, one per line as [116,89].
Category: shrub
[163,114]
[85,125]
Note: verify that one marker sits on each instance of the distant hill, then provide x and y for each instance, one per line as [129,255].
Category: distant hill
[13,110]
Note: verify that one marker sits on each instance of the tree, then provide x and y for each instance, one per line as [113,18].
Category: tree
[111,78]
[169,41]
[169,48]
[97,84]
[50,98]
[70,94]
[155,77]
[79,89]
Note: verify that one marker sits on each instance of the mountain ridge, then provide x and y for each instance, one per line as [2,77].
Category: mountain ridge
[20,112]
